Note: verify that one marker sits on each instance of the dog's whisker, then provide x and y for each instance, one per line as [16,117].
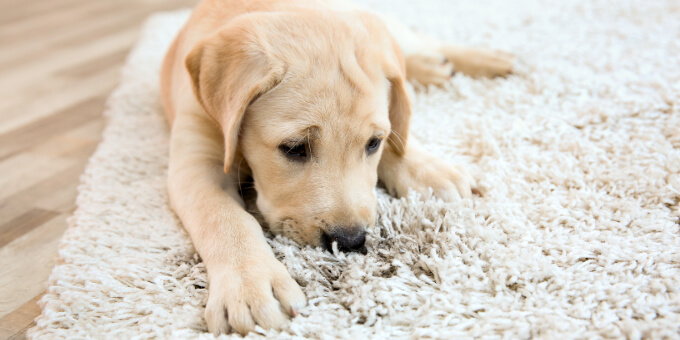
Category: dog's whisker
[401,138]
[310,144]
[398,139]
[238,175]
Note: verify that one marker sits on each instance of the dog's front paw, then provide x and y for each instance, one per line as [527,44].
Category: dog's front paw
[420,172]
[260,291]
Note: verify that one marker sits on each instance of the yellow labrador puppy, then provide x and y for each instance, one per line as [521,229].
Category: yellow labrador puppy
[307,98]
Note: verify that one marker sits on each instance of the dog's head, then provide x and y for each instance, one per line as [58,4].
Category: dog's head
[312,101]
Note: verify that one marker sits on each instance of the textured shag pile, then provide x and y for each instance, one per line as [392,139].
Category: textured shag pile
[576,236]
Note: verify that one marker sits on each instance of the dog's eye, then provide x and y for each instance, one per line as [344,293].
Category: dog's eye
[373,145]
[295,152]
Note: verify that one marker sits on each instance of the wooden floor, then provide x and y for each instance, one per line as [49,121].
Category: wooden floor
[59,60]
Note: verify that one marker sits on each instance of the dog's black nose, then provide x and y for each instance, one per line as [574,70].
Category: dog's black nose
[348,239]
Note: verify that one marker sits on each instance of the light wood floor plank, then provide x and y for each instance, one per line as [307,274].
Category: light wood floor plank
[59,60]
[16,10]
[14,325]
[59,122]
[57,192]
[74,142]
[90,26]
[23,224]
[53,97]
[42,194]
[33,25]
[26,262]
[21,171]
[34,70]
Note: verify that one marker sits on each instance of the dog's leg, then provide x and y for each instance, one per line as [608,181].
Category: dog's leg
[247,285]
[421,171]
[479,61]
[429,61]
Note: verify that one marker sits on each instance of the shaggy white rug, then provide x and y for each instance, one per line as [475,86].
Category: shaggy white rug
[577,235]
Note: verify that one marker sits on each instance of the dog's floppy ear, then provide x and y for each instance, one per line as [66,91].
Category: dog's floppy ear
[394,68]
[400,114]
[229,70]
[400,102]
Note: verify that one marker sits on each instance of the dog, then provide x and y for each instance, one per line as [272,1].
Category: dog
[309,99]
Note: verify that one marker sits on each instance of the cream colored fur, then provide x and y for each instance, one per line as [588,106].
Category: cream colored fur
[243,79]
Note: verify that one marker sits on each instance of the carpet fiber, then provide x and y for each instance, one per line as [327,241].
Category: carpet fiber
[577,235]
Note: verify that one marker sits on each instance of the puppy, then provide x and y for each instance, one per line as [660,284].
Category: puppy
[308,98]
